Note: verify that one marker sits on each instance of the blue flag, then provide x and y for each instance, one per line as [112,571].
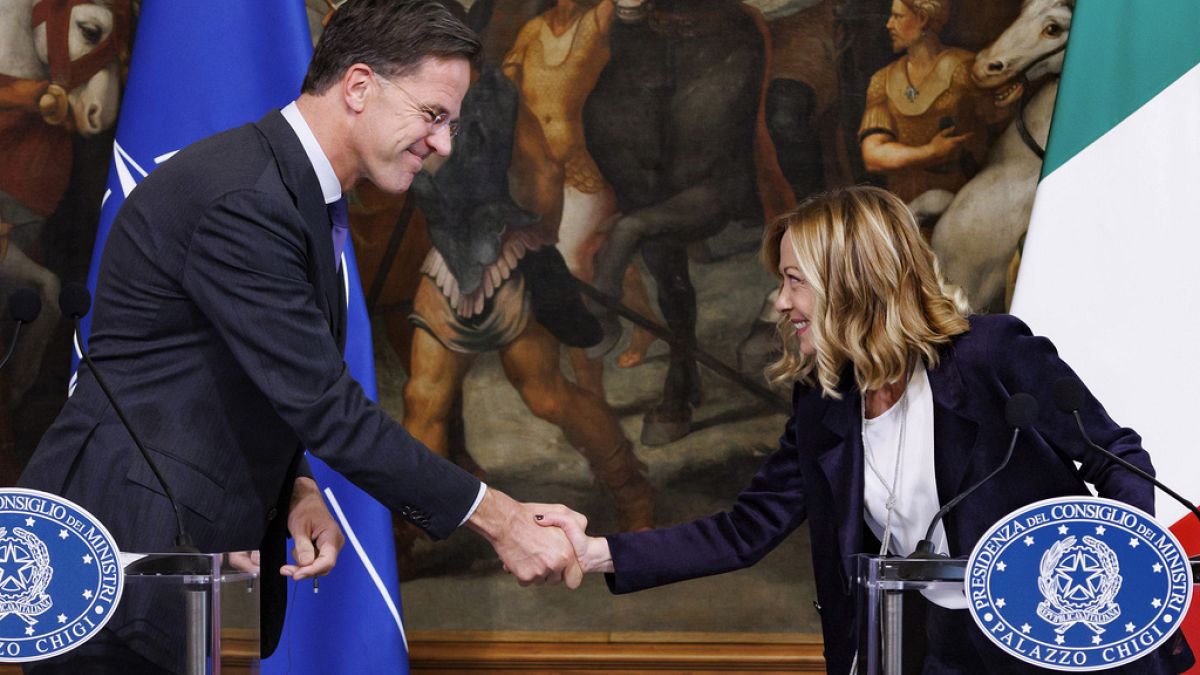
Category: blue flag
[200,67]
[353,625]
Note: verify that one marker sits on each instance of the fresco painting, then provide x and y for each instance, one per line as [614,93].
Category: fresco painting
[637,147]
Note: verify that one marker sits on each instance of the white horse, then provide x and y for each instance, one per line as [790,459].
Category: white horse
[981,227]
[25,53]
[75,85]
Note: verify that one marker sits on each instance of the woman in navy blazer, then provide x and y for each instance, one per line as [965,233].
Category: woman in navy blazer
[864,311]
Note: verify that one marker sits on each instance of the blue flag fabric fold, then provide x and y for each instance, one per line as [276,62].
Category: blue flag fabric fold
[354,624]
[199,67]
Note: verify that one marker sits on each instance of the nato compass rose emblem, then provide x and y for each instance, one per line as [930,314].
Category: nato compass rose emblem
[1078,583]
[60,575]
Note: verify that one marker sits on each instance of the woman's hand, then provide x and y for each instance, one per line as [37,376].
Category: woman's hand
[592,552]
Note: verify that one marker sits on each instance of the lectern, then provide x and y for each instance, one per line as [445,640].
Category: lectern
[883,584]
[196,613]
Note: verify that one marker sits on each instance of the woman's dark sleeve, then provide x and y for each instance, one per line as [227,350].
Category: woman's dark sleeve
[763,514]
[1030,363]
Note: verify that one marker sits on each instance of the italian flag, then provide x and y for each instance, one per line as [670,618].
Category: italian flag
[1111,264]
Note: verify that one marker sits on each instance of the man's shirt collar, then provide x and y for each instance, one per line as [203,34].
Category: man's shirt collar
[331,189]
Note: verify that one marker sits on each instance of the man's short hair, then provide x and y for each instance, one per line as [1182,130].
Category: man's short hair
[393,37]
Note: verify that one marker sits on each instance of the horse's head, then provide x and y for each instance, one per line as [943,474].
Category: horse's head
[81,42]
[1028,49]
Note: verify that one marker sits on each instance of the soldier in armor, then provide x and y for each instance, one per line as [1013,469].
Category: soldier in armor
[493,281]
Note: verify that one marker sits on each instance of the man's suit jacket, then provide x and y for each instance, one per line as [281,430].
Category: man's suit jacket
[218,322]
[818,473]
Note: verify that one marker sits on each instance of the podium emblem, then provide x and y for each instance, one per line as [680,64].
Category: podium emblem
[1078,584]
[60,575]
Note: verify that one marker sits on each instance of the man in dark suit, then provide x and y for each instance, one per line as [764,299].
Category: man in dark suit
[219,324]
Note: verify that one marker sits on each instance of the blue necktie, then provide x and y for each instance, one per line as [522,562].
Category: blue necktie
[341,228]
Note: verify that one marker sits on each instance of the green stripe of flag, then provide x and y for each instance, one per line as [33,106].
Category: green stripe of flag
[1120,54]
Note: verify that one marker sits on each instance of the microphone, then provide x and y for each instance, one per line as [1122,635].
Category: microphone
[23,306]
[75,301]
[1020,412]
[1069,396]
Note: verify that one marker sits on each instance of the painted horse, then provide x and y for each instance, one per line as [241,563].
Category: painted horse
[60,64]
[980,228]
[671,123]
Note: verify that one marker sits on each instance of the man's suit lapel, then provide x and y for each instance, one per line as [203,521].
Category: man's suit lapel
[301,181]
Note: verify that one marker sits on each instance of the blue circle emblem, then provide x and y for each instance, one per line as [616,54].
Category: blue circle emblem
[1078,583]
[60,575]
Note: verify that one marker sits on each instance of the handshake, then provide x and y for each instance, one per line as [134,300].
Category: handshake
[540,543]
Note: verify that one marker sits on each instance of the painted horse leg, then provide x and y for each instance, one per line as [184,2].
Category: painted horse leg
[685,217]
[671,124]
[636,298]
[671,419]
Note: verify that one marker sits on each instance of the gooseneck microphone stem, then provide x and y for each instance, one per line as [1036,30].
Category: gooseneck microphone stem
[924,547]
[1019,412]
[1069,397]
[11,345]
[182,540]
[1125,463]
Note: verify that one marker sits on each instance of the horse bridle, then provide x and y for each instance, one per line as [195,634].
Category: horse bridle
[66,74]
[1026,137]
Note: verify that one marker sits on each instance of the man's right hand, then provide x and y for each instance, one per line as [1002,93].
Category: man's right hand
[533,554]
[946,145]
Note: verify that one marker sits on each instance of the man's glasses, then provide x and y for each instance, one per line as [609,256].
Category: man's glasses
[438,120]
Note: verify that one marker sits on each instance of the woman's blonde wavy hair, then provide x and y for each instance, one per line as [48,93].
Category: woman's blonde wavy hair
[879,301]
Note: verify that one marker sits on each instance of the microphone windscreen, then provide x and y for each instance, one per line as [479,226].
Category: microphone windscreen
[75,300]
[1068,394]
[24,305]
[1021,410]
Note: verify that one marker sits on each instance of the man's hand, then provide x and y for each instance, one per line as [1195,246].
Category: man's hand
[946,145]
[244,561]
[316,534]
[534,555]
[591,552]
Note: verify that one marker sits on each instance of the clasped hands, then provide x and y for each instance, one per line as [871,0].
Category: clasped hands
[539,543]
